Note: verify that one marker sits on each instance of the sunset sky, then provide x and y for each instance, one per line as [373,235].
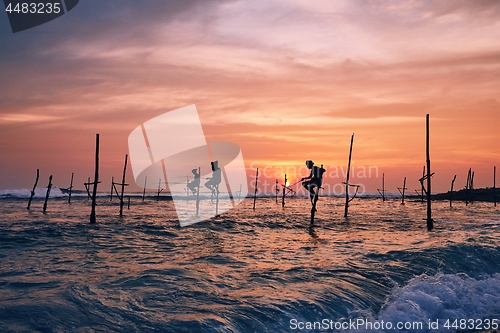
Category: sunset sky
[286,80]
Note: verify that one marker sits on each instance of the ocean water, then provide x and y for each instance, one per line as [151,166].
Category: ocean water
[247,271]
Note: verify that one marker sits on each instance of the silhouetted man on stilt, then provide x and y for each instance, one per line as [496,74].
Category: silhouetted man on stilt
[193,186]
[213,183]
[314,180]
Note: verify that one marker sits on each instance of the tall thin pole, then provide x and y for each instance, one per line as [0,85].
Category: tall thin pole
[198,193]
[467,185]
[451,191]
[87,187]
[48,194]
[276,191]
[383,187]
[34,187]
[495,185]
[70,187]
[255,194]
[144,191]
[96,180]
[403,193]
[422,185]
[216,188]
[123,184]
[112,186]
[430,222]
[347,179]
[159,190]
[471,188]
[284,192]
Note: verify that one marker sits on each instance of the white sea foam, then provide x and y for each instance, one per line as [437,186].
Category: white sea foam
[440,297]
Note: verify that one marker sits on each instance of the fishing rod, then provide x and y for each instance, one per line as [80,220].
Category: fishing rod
[293,184]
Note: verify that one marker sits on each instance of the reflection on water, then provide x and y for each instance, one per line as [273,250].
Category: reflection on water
[246,271]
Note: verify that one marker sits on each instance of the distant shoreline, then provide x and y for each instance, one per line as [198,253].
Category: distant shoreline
[480,194]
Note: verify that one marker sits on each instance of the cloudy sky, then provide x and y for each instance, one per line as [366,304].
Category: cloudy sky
[287,80]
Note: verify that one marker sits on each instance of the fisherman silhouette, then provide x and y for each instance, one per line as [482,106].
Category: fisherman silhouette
[213,183]
[193,186]
[314,180]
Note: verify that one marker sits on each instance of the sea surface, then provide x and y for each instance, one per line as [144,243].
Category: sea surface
[261,270]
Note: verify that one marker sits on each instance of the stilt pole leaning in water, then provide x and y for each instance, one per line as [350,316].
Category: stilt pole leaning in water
[159,190]
[284,193]
[96,180]
[255,194]
[346,210]
[87,187]
[467,184]
[471,188]
[70,188]
[49,187]
[313,208]
[217,200]
[34,187]
[451,191]
[430,222]
[402,191]
[422,185]
[112,186]
[198,195]
[123,184]
[382,192]
[277,190]
[495,186]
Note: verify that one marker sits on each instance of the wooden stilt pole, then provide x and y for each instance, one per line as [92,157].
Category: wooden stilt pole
[34,187]
[382,192]
[159,190]
[495,185]
[467,185]
[422,185]
[96,180]
[284,193]
[347,179]
[49,187]
[128,203]
[112,186]
[87,187]
[70,188]
[383,187]
[256,181]
[313,208]
[403,192]
[277,191]
[471,188]
[123,184]
[430,222]
[451,191]
[216,189]
[144,191]
[198,194]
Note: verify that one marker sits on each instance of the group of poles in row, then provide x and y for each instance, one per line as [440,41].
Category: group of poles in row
[312,183]
[468,189]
